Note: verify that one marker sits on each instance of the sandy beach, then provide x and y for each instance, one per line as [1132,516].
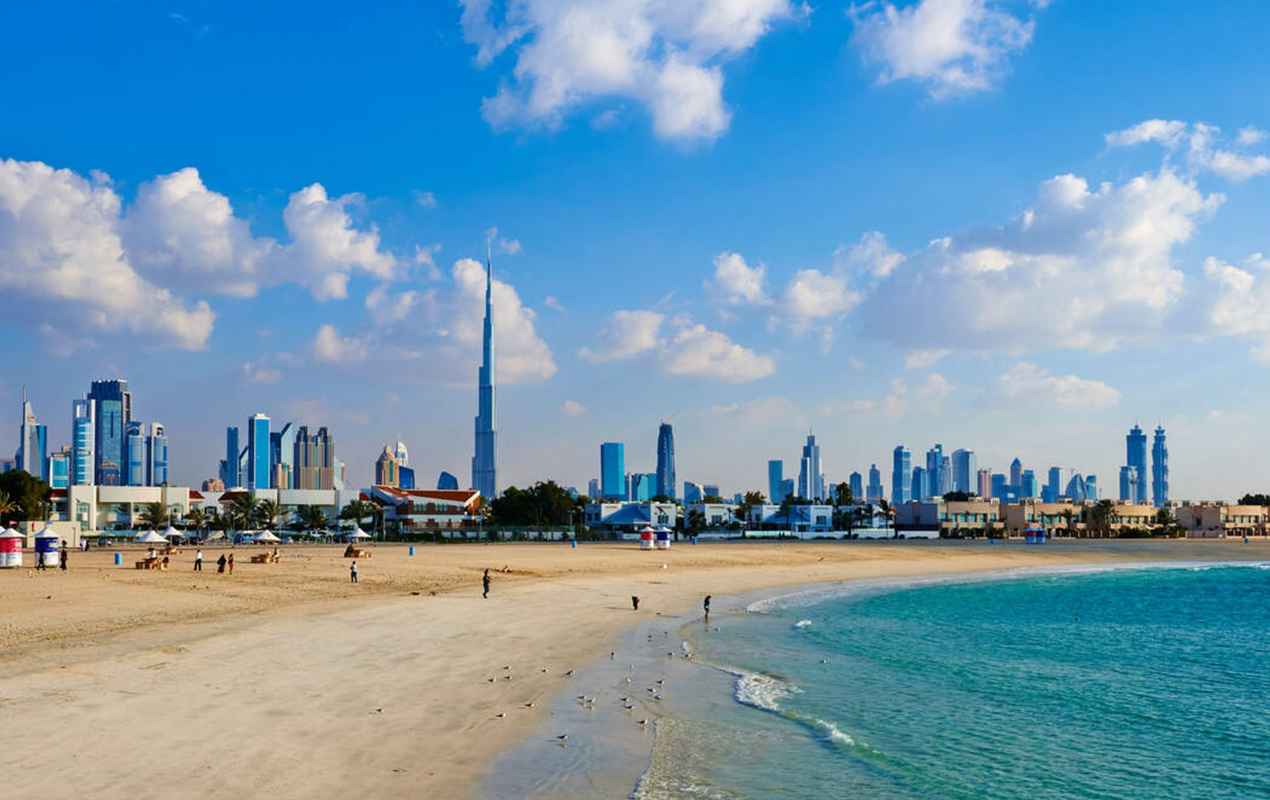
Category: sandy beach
[289,681]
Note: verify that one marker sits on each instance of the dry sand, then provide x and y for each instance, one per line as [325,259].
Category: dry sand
[287,681]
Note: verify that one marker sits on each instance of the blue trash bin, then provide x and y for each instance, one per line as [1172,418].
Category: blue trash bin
[410,551]
[118,559]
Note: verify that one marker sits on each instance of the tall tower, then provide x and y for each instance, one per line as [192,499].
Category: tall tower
[901,475]
[30,457]
[810,486]
[1136,457]
[1160,469]
[666,461]
[485,458]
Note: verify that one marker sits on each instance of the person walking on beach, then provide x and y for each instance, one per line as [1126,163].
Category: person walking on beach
[220,564]
[707,604]
[635,602]
[198,561]
[65,557]
[352,572]
[485,585]
[231,563]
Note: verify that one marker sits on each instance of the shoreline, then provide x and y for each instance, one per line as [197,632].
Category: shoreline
[388,694]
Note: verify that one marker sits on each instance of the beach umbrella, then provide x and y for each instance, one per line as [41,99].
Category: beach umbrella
[266,536]
[152,537]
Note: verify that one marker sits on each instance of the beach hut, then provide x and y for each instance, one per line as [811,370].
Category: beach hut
[10,548]
[267,536]
[46,542]
[663,538]
[646,538]
[151,537]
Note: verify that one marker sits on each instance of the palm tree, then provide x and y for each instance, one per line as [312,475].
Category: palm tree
[359,510]
[7,505]
[311,517]
[267,513]
[197,519]
[154,515]
[241,511]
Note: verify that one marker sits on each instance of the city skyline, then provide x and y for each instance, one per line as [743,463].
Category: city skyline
[338,277]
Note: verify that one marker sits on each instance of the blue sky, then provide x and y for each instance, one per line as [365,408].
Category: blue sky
[1018,227]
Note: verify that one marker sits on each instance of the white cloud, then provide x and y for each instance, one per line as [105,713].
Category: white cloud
[761,413]
[1199,143]
[257,372]
[553,303]
[872,256]
[425,199]
[667,56]
[387,306]
[325,244]
[812,296]
[936,388]
[62,257]
[696,351]
[737,283]
[572,408]
[924,359]
[950,46]
[627,334]
[330,347]
[1035,385]
[1240,306]
[1085,267]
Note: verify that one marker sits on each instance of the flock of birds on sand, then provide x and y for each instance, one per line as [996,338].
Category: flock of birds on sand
[588,702]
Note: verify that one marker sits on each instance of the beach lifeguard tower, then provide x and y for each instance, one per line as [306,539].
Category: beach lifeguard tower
[646,538]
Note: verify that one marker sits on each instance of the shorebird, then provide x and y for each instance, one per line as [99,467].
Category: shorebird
[501,715]
[491,680]
[562,738]
[529,705]
[660,681]
[628,708]
[569,674]
[643,722]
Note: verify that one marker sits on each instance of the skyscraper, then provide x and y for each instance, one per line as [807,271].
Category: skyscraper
[258,452]
[1136,457]
[856,483]
[1016,473]
[921,484]
[1160,469]
[934,465]
[32,454]
[82,443]
[59,469]
[135,454]
[613,471]
[985,484]
[775,477]
[1027,487]
[809,482]
[1128,484]
[229,474]
[875,492]
[693,493]
[282,457]
[315,462]
[901,475]
[1091,488]
[447,481]
[112,411]
[965,466]
[157,455]
[485,458]
[665,461]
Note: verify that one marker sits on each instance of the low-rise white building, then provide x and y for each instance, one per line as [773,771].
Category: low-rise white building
[816,518]
[631,516]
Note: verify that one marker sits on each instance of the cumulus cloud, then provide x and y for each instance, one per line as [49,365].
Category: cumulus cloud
[736,283]
[332,348]
[63,257]
[1036,385]
[326,246]
[667,56]
[425,199]
[572,408]
[949,46]
[259,372]
[625,335]
[1200,146]
[924,359]
[687,350]
[1240,302]
[387,306]
[872,256]
[1084,267]
[813,297]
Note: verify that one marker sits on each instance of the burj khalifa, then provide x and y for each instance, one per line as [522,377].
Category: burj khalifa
[485,458]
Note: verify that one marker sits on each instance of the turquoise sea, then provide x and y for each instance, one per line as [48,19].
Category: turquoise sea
[1151,683]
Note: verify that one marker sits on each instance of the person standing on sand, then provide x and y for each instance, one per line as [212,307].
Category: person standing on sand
[707,604]
[231,563]
[352,572]
[635,602]
[198,561]
[485,585]
[220,564]
[64,556]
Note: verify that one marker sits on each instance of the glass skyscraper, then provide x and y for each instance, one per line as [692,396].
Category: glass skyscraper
[157,455]
[665,461]
[964,467]
[856,483]
[934,466]
[901,475]
[135,454]
[1160,469]
[229,473]
[112,411]
[282,457]
[921,484]
[258,452]
[1136,457]
[613,470]
[874,491]
[82,443]
[485,444]
[1128,484]
[810,485]
[775,477]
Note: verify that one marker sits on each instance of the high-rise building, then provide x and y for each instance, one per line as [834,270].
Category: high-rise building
[1016,472]
[387,468]
[406,476]
[32,454]
[1128,484]
[775,477]
[810,485]
[874,492]
[402,453]
[1075,491]
[901,475]
[643,486]
[282,456]
[934,466]
[446,481]
[856,484]
[485,457]
[665,461]
[59,469]
[258,460]
[693,492]
[135,454]
[1091,488]
[315,461]
[921,484]
[1136,457]
[1160,469]
[1027,484]
[1000,486]
[229,473]
[157,455]
[82,441]
[593,489]
[613,471]
[787,489]
[965,466]
[1055,485]
[112,411]
[984,477]
[711,490]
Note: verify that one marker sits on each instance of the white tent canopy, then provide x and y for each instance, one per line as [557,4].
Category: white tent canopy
[173,532]
[10,533]
[152,537]
[358,533]
[214,535]
[266,536]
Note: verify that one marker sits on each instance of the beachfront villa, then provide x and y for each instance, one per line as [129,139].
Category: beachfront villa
[417,510]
